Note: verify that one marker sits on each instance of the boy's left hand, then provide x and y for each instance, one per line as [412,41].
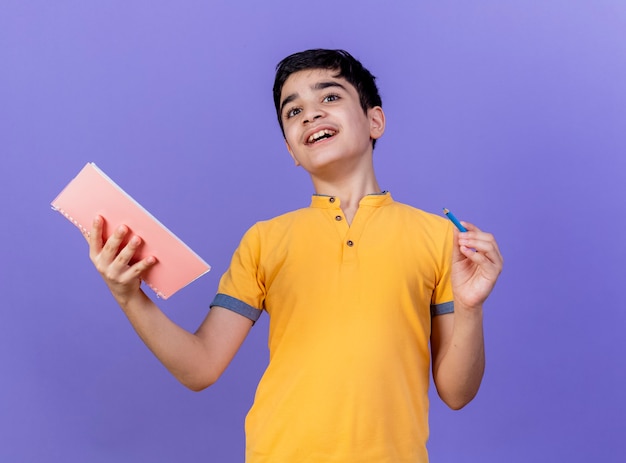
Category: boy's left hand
[476,265]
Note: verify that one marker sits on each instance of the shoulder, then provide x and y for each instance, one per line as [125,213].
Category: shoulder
[418,216]
[283,220]
[278,225]
[264,232]
[423,229]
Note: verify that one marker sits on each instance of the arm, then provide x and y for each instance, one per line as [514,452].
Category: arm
[195,359]
[457,341]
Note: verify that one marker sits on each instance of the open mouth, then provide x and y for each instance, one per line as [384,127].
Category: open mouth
[321,135]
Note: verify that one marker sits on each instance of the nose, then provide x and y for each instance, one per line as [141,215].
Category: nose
[312,113]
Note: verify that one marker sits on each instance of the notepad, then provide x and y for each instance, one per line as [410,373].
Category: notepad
[93,193]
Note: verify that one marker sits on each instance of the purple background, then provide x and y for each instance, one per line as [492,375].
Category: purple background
[512,114]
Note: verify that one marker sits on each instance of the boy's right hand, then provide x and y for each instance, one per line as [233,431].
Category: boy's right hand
[113,261]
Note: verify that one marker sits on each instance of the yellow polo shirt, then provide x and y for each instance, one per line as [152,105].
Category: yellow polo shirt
[350,314]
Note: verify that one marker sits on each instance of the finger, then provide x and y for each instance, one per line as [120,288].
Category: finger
[470,227]
[125,256]
[475,233]
[112,246]
[471,232]
[481,242]
[482,264]
[94,237]
[484,247]
[485,241]
[475,241]
[138,269]
[484,253]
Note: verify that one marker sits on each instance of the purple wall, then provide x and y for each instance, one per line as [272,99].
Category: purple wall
[512,114]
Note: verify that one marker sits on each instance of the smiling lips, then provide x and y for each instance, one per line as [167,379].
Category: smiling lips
[320,135]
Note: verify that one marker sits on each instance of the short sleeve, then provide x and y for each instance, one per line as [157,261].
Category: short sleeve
[241,288]
[442,300]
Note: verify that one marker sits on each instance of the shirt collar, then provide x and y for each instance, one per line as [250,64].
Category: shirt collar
[333,202]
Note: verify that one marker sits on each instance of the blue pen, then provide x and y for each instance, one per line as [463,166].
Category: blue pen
[454,220]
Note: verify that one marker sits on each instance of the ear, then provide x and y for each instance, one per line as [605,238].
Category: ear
[376,118]
[291,153]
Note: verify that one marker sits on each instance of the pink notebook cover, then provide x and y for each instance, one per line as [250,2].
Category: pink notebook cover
[93,193]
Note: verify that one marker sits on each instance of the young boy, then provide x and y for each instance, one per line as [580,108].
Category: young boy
[356,286]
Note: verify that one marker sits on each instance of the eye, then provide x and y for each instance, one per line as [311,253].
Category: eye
[292,112]
[330,98]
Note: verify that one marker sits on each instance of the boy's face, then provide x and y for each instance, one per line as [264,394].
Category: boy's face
[324,124]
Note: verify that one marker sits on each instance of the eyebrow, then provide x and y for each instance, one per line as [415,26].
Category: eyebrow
[318,86]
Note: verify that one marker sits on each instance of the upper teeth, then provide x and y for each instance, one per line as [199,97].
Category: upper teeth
[317,135]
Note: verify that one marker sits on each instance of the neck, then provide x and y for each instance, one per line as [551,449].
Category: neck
[349,190]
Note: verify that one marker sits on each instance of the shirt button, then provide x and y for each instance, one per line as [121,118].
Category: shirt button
[337,218]
[350,243]
[331,199]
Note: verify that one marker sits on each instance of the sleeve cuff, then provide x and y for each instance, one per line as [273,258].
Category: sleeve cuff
[237,306]
[440,309]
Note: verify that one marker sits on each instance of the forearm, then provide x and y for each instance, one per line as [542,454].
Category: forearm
[181,352]
[461,363]
[196,360]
